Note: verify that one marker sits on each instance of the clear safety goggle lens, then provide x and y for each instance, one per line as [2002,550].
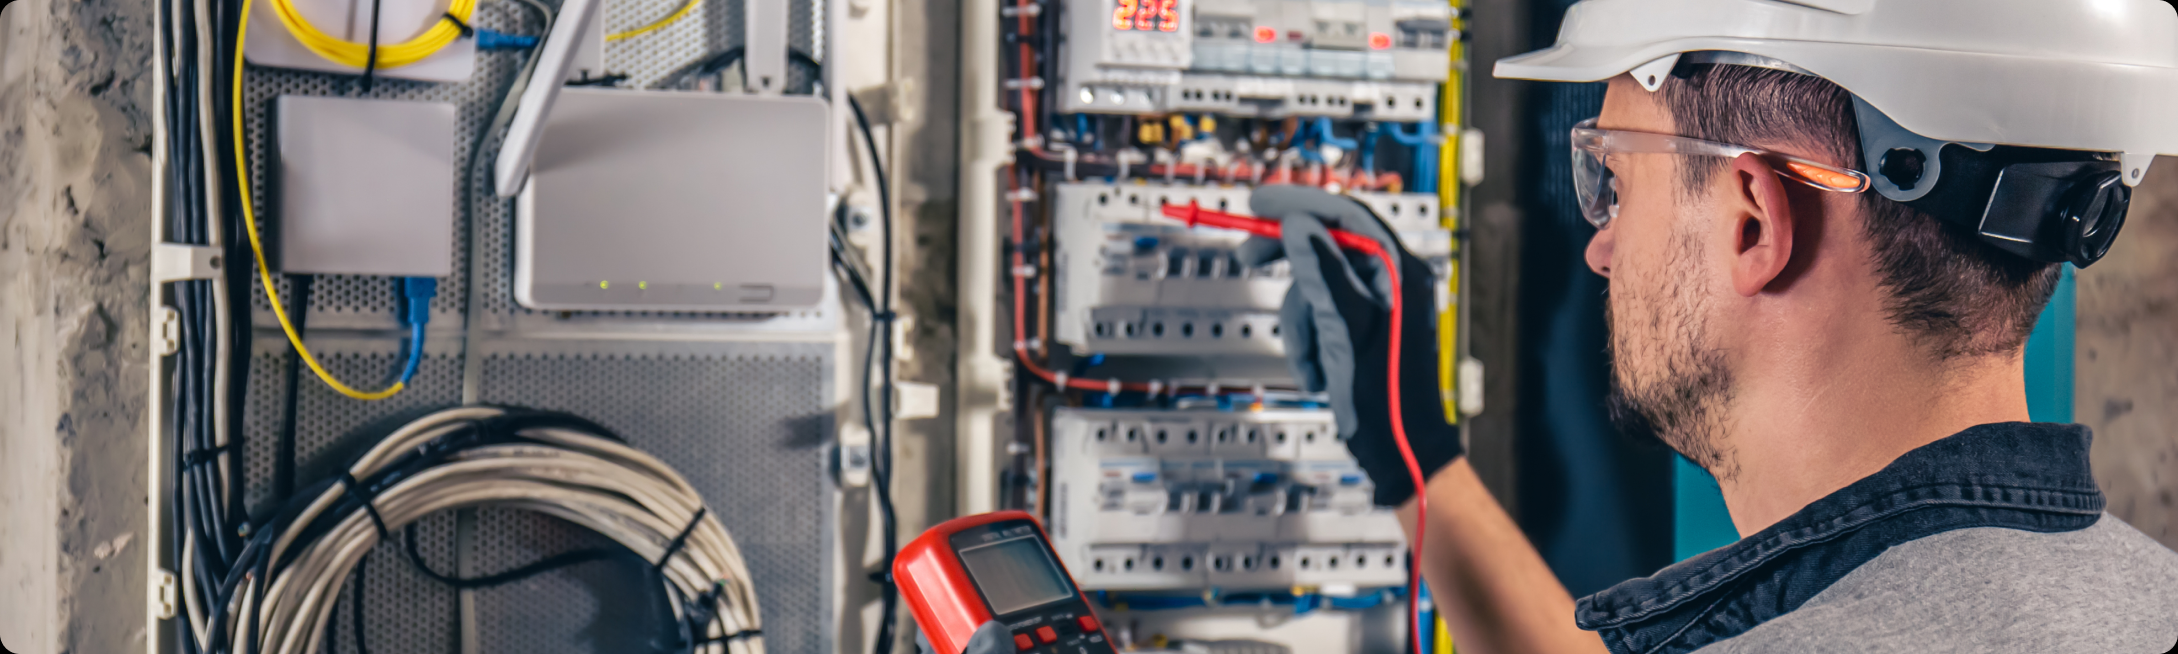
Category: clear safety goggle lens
[1596,188]
[1593,183]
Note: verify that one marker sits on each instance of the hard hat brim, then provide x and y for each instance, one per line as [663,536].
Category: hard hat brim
[1966,97]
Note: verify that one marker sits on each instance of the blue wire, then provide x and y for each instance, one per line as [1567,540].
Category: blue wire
[492,40]
[1423,141]
[1324,136]
[415,352]
[418,291]
[1368,147]
[1303,133]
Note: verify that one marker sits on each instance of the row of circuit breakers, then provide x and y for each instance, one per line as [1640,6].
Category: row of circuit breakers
[1203,497]
[1375,59]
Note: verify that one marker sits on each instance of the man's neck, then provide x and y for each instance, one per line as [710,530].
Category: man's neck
[1807,427]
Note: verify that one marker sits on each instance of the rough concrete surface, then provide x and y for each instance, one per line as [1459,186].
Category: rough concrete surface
[75,206]
[2126,360]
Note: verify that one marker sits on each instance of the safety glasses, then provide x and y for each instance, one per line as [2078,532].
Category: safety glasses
[1597,188]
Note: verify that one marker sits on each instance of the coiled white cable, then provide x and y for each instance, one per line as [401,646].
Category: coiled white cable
[447,461]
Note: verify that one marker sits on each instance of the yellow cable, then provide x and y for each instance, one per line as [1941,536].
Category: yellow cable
[394,55]
[249,224]
[677,14]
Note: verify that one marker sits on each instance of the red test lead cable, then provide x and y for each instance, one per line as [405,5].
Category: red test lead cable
[1193,215]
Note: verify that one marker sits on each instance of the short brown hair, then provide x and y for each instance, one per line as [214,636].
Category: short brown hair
[1953,293]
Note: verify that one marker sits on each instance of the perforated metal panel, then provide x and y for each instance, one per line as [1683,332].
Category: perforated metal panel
[741,423]
[746,423]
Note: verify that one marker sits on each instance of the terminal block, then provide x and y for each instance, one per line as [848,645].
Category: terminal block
[1371,59]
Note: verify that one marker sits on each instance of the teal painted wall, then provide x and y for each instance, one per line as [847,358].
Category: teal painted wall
[2049,357]
[1700,522]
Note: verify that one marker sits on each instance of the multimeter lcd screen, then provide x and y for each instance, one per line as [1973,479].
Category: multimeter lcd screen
[1015,574]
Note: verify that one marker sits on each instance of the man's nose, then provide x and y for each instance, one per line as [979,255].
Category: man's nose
[1599,250]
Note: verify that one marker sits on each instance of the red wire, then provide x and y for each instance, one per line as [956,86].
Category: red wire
[1195,215]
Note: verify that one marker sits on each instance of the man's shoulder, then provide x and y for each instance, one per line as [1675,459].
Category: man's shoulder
[2105,588]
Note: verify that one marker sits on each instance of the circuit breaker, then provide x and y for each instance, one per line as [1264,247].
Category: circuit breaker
[1132,281]
[1147,500]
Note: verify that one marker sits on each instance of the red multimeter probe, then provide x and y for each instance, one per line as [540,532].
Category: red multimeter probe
[1194,215]
[996,566]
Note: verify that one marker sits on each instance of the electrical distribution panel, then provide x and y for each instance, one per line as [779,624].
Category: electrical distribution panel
[1146,500]
[1131,281]
[1368,59]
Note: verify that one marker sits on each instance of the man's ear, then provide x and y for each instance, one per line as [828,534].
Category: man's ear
[1761,225]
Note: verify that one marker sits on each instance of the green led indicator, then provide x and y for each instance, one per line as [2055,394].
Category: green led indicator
[642,286]
[717,285]
[604,285]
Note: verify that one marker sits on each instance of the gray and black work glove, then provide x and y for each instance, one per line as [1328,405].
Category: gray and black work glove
[991,638]
[1336,324]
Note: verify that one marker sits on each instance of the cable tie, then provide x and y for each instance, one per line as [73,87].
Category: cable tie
[466,30]
[1113,385]
[1060,379]
[1019,344]
[1213,390]
[1032,9]
[1036,343]
[1155,386]
[370,502]
[745,633]
[1022,194]
[680,540]
[1032,83]
[1026,271]
[200,457]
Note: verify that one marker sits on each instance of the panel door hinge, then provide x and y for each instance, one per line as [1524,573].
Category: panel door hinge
[166,331]
[915,401]
[854,456]
[163,594]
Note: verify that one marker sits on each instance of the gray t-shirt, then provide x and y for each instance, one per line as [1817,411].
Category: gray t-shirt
[2106,588]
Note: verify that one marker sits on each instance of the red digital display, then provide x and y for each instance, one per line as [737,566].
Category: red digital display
[1147,16]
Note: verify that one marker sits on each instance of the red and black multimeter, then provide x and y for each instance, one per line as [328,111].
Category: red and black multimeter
[996,566]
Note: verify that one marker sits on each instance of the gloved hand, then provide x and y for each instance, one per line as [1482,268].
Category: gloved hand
[1336,321]
[991,638]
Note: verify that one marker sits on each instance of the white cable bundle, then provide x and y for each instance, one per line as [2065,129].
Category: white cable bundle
[579,477]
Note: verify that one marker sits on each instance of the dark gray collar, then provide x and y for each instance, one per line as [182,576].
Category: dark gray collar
[2029,476]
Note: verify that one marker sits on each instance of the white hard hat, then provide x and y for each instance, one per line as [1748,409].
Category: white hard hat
[2090,75]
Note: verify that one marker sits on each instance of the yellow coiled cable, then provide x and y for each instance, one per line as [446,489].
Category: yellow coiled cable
[677,14]
[249,224]
[390,55]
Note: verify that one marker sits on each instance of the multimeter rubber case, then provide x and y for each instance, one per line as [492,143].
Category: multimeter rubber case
[996,566]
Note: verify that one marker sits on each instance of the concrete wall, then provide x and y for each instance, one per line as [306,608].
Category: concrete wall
[2126,360]
[75,210]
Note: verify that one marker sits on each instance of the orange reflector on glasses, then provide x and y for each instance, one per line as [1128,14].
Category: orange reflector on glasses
[1826,177]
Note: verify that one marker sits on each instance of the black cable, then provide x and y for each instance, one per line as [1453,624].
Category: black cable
[705,67]
[548,564]
[357,616]
[370,61]
[881,463]
[283,471]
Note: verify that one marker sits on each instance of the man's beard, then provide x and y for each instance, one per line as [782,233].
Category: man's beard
[1682,402]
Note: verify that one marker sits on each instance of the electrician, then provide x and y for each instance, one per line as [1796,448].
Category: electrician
[1828,227]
